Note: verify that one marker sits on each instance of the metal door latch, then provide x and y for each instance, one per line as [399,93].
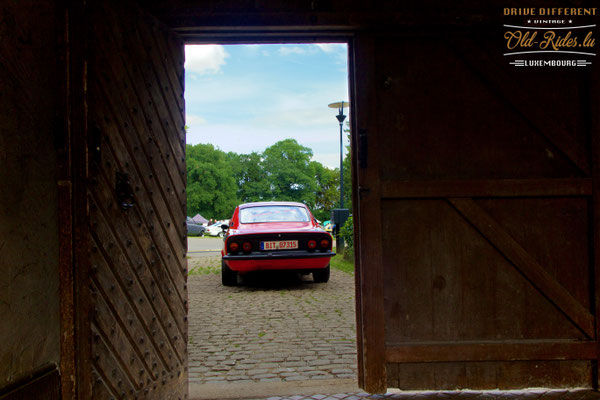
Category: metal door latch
[123,189]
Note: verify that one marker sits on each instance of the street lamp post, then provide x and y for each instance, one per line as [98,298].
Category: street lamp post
[341,117]
[341,211]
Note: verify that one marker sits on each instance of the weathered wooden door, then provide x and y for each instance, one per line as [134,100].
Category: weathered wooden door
[478,216]
[137,207]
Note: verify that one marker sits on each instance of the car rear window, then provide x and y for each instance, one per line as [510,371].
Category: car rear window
[252,215]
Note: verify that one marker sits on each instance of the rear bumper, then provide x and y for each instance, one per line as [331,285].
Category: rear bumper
[289,260]
[280,255]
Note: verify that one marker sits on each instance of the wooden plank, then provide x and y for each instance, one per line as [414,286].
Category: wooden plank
[161,117]
[140,244]
[111,257]
[66,289]
[139,274]
[292,17]
[78,15]
[154,203]
[175,102]
[371,318]
[137,134]
[107,319]
[41,384]
[165,247]
[516,96]
[594,102]
[526,264]
[67,299]
[485,375]
[445,281]
[501,351]
[356,219]
[148,108]
[395,189]
[112,375]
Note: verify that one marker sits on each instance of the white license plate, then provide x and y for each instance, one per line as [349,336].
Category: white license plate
[279,245]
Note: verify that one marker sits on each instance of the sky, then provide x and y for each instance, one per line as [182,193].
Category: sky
[245,98]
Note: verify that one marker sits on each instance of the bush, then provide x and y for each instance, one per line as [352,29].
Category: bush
[347,233]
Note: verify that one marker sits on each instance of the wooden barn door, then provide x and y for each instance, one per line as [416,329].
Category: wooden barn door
[478,217]
[137,206]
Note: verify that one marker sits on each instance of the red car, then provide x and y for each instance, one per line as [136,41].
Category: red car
[275,236]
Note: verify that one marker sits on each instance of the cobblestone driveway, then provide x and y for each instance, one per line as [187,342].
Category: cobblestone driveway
[272,328]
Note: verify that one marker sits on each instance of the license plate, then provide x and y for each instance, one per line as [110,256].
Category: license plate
[279,245]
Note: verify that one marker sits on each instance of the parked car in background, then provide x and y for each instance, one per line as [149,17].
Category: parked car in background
[194,229]
[215,230]
[275,236]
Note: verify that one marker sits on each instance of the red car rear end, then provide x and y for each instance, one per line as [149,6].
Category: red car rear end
[275,236]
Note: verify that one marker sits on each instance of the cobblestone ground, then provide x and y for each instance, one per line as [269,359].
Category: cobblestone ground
[537,394]
[283,329]
[271,328]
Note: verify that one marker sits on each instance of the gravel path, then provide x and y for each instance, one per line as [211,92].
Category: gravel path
[272,328]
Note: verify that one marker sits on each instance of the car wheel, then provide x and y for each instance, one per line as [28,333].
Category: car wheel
[228,276]
[322,275]
[221,234]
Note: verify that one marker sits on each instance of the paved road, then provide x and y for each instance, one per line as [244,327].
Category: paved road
[275,328]
[203,247]
[288,339]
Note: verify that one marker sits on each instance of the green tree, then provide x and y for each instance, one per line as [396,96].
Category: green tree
[250,176]
[347,233]
[327,193]
[290,173]
[211,188]
[347,165]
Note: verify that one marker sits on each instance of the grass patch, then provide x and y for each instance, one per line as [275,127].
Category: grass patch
[205,266]
[205,270]
[339,263]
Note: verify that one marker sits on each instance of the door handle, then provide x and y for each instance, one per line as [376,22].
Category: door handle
[124,191]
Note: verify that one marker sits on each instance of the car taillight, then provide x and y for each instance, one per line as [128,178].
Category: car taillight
[312,244]
[234,247]
[247,247]
[324,244]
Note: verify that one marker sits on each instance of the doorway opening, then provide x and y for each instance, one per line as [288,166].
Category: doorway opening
[259,129]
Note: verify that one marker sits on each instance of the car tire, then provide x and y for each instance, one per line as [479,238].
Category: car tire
[221,234]
[322,275]
[228,276]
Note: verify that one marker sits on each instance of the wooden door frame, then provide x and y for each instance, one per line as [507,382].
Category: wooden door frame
[73,180]
[72,171]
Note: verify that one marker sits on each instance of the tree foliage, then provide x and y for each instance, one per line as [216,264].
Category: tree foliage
[250,177]
[218,181]
[347,233]
[347,165]
[211,188]
[327,194]
[289,172]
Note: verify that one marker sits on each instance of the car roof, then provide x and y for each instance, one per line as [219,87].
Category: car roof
[272,203]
